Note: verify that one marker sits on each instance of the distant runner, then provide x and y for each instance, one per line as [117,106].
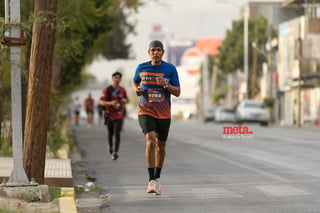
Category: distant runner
[76,110]
[89,106]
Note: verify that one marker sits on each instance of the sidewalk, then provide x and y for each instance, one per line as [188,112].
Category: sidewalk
[57,173]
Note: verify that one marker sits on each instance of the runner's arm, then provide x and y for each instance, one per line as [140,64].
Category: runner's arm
[137,89]
[173,90]
[108,103]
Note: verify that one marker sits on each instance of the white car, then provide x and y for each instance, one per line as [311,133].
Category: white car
[250,110]
[209,114]
[224,115]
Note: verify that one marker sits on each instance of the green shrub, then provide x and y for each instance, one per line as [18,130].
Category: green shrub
[269,102]
[54,192]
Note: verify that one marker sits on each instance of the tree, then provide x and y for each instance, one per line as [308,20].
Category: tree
[85,29]
[40,72]
[231,50]
[1,70]
[5,139]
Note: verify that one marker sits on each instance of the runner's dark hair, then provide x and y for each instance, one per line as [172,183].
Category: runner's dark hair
[117,73]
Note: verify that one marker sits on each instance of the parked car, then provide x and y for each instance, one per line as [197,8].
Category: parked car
[209,114]
[224,115]
[250,110]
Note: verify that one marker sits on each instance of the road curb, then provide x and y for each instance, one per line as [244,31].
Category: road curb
[67,201]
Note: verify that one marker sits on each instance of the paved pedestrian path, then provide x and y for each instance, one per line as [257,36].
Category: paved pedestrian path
[57,171]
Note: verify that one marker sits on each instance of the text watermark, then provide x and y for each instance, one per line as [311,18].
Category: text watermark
[236,132]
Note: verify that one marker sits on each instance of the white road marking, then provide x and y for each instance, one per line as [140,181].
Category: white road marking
[281,190]
[176,192]
[198,192]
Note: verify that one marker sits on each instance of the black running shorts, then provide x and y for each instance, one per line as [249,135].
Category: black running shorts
[160,126]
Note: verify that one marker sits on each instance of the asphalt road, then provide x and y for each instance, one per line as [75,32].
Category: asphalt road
[272,170]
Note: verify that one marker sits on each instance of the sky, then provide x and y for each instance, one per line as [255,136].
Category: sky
[180,19]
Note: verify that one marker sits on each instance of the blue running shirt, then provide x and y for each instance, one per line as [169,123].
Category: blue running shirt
[155,100]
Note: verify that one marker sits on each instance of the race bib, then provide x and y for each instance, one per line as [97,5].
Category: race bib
[156,95]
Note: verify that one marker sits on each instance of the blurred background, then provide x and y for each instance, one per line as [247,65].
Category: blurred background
[225,51]
[264,50]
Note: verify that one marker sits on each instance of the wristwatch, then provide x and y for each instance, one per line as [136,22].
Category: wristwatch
[166,86]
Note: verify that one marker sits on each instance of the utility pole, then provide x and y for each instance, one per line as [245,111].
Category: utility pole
[245,49]
[301,31]
[14,39]
[253,81]
[299,81]
[300,58]
[39,88]
[205,83]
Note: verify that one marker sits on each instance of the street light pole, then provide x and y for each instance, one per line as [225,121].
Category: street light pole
[205,84]
[12,19]
[245,49]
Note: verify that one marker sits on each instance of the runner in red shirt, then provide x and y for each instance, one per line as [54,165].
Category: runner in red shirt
[115,98]
[89,106]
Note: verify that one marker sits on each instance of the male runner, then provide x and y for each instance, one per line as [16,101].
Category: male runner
[154,81]
[114,98]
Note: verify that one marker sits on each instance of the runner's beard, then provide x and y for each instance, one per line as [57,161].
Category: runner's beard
[156,58]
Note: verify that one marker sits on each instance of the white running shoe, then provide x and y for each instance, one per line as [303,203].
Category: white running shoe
[152,186]
[158,188]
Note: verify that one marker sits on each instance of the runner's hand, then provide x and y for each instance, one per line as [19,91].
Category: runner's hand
[114,103]
[139,91]
[124,101]
[161,81]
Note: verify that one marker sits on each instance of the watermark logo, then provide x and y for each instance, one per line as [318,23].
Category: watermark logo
[236,132]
